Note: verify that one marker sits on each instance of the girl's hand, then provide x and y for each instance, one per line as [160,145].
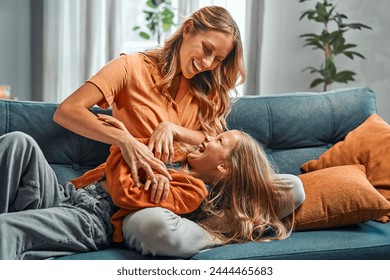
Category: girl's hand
[160,189]
[136,154]
[161,141]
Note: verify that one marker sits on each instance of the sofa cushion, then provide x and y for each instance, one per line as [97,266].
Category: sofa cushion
[338,196]
[369,241]
[368,144]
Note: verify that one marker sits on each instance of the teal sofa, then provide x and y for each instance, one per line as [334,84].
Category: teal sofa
[293,127]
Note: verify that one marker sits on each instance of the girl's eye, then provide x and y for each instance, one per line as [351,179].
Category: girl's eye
[207,50]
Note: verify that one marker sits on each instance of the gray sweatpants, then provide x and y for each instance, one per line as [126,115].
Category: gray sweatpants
[39,218]
[160,232]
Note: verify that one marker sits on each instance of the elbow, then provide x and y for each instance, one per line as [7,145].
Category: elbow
[62,114]
[58,114]
[299,193]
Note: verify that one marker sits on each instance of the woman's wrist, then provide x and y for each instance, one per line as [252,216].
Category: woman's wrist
[125,139]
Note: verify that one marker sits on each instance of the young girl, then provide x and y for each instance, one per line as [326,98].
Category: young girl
[246,199]
[239,207]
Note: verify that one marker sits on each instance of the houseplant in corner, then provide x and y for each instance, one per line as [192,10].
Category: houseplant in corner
[330,42]
[159,19]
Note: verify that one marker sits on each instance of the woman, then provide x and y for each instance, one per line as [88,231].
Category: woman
[179,92]
[40,218]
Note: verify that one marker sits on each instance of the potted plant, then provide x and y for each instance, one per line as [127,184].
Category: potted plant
[331,42]
[159,20]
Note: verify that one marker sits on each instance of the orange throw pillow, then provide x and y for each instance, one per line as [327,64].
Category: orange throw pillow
[338,196]
[368,144]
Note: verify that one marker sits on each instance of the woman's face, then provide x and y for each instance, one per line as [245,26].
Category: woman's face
[203,51]
[211,154]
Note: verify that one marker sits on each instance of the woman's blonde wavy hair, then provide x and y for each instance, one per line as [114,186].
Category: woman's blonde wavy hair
[245,201]
[210,88]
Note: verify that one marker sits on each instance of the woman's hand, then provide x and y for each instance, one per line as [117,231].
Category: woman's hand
[136,154]
[160,188]
[161,141]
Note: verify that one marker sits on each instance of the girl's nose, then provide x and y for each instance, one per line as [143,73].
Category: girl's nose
[208,138]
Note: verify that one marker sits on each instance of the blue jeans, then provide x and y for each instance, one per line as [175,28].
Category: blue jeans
[39,218]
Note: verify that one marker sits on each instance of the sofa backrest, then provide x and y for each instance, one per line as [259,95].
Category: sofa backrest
[69,154]
[297,127]
[293,127]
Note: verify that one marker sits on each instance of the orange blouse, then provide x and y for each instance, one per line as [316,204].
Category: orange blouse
[128,84]
[185,196]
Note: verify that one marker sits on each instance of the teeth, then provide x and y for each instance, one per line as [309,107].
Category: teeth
[196,65]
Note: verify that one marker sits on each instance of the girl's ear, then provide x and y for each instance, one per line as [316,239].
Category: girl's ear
[222,168]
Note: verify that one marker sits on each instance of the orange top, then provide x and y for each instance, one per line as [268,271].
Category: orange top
[185,196]
[128,84]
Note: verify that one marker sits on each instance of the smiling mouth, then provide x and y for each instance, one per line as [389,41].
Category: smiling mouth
[201,148]
[196,65]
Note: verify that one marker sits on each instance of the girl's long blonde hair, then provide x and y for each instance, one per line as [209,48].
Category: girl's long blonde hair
[210,88]
[247,199]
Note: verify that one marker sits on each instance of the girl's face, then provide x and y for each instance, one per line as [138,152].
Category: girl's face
[203,51]
[209,158]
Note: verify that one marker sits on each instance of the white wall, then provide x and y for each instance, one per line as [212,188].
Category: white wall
[283,56]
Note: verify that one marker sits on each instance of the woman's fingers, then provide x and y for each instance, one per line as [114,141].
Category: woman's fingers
[134,174]
[163,151]
[147,184]
[160,167]
[166,190]
[159,191]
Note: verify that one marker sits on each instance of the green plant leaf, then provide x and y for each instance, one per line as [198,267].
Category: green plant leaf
[167,13]
[308,14]
[321,9]
[344,76]
[144,35]
[166,26]
[335,35]
[316,44]
[136,27]
[352,54]
[330,68]
[312,70]
[316,82]
[308,35]
[357,26]
[150,4]
[167,21]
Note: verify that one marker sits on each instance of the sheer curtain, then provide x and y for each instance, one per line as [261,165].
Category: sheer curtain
[253,45]
[79,37]
[250,22]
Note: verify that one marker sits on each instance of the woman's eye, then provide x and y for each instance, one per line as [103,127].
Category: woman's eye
[207,50]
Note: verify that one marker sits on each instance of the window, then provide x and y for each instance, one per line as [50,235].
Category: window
[133,15]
